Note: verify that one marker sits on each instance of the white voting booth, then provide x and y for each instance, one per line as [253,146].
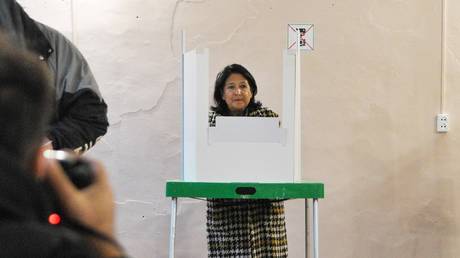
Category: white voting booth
[244,157]
[237,149]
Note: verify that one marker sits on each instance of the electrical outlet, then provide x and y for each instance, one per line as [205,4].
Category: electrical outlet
[442,123]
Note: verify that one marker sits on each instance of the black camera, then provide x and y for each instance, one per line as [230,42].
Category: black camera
[78,170]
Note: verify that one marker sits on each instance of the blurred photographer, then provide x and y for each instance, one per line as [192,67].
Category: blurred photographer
[81,224]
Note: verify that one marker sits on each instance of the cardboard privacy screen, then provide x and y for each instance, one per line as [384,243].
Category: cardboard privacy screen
[237,149]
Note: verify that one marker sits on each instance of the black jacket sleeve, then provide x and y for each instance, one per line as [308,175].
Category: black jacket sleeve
[80,120]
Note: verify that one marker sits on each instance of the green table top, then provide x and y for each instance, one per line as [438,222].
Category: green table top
[277,191]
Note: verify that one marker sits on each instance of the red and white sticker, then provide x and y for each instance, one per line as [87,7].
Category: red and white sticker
[306,36]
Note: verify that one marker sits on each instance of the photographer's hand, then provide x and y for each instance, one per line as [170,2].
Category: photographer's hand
[92,206]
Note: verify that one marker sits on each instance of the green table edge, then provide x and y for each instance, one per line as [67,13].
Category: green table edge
[276,191]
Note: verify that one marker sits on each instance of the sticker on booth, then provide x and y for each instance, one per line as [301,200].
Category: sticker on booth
[306,36]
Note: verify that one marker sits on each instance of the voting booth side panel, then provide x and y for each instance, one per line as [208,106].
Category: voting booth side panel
[288,117]
[195,103]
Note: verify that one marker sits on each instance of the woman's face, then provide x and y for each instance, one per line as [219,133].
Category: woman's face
[237,93]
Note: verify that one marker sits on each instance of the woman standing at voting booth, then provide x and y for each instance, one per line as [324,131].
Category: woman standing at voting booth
[243,228]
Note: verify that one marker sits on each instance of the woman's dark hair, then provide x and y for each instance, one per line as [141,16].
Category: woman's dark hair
[221,106]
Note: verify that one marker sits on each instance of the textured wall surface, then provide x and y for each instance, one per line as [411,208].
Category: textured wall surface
[371,90]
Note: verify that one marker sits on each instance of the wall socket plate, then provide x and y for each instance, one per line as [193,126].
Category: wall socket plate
[442,123]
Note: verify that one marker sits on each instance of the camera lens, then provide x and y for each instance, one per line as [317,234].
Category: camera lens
[78,170]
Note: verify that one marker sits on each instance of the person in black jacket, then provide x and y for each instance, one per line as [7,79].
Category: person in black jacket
[34,223]
[80,116]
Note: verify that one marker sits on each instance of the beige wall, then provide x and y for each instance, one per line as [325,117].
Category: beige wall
[371,90]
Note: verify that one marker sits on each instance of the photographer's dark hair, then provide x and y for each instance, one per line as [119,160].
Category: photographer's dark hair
[26,101]
[221,106]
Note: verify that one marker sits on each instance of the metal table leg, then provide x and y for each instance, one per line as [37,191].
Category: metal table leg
[172,229]
[307,234]
[315,229]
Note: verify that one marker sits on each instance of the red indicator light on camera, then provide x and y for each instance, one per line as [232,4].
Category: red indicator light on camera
[54,219]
